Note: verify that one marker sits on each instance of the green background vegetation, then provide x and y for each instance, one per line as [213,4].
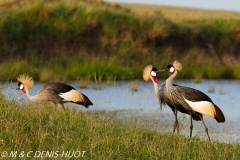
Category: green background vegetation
[66,40]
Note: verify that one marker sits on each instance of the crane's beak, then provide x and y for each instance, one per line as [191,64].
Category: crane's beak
[18,88]
[162,70]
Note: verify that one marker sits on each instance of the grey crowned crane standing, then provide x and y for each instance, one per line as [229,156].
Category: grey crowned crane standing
[58,93]
[188,100]
[151,73]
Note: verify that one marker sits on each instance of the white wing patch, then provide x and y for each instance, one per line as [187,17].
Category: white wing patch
[72,95]
[203,107]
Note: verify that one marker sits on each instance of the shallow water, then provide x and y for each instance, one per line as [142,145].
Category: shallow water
[119,97]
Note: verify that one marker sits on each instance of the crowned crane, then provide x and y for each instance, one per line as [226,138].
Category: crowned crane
[188,100]
[58,93]
[151,73]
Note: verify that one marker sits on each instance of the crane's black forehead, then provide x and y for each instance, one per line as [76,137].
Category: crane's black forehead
[19,83]
[169,66]
[154,69]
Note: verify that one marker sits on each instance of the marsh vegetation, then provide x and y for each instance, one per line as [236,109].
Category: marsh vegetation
[70,40]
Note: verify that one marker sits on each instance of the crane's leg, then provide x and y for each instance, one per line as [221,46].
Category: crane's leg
[191,125]
[176,124]
[62,106]
[206,129]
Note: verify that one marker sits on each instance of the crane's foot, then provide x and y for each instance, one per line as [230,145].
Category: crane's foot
[206,130]
[191,128]
[63,106]
[176,125]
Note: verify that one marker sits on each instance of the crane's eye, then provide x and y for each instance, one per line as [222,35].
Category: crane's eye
[172,69]
[21,87]
[154,74]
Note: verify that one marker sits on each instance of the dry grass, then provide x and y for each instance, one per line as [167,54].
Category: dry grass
[221,91]
[83,83]
[179,14]
[211,88]
[134,86]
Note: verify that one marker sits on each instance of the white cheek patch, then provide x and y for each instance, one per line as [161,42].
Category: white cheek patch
[172,69]
[153,74]
[203,107]
[21,86]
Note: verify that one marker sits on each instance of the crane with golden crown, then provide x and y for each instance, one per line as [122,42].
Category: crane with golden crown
[56,92]
[184,99]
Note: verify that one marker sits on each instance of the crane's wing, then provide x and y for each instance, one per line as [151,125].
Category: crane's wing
[201,103]
[58,88]
[66,93]
[193,94]
[53,89]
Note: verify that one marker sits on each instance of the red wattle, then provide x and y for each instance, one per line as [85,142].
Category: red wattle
[155,80]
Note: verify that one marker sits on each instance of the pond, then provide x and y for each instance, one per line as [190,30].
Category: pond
[143,103]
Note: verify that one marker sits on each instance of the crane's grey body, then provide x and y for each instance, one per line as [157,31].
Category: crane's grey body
[174,105]
[48,92]
[58,93]
[51,92]
[175,99]
[190,101]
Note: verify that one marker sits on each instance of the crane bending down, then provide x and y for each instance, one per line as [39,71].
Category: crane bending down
[184,99]
[58,93]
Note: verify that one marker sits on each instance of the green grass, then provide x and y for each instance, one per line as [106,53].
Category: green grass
[101,134]
[67,69]
[195,66]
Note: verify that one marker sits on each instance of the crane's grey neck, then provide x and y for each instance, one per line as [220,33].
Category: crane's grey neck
[32,98]
[169,83]
[157,93]
[156,88]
